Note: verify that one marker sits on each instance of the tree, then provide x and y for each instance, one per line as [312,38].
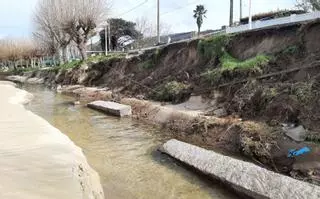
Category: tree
[49,18]
[118,28]
[231,13]
[83,18]
[309,5]
[199,14]
[148,29]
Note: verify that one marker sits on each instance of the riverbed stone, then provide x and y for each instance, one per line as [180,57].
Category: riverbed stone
[111,108]
[244,177]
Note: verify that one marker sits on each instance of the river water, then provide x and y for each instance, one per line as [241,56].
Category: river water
[123,152]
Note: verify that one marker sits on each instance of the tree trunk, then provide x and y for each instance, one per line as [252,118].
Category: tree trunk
[15,65]
[60,57]
[64,54]
[231,13]
[82,50]
[198,31]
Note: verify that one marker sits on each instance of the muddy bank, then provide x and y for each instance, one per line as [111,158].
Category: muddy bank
[36,160]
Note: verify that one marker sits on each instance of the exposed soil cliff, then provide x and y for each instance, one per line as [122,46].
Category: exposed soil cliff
[266,78]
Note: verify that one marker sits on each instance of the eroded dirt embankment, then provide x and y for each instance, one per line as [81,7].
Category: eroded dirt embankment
[257,81]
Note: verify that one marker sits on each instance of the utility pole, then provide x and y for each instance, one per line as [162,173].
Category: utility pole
[231,13]
[109,33]
[106,39]
[240,10]
[158,21]
[250,15]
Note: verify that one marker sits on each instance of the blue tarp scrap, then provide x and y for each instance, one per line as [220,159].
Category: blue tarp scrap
[295,153]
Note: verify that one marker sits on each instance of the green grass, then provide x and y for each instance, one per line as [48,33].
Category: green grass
[94,59]
[214,46]
[101,58]
[20,71]
[229,63]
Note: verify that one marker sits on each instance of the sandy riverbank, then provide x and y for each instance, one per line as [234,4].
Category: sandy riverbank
[36,160]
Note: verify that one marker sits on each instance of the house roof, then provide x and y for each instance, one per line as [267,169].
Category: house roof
[272,15]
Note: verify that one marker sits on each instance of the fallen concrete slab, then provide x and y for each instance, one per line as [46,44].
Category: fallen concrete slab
[244,177]
[24,79]
[111,108]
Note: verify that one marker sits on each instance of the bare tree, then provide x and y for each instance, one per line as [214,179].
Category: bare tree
[83,17]
[49,18]
[21,52]
[149,29]
[309,5]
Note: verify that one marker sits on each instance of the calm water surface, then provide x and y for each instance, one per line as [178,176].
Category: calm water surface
[123,152]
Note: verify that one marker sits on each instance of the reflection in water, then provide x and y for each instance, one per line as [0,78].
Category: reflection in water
[123,152]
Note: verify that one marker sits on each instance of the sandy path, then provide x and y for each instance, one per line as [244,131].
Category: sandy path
[36,160]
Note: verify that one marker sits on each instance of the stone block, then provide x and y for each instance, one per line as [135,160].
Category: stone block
[111,108]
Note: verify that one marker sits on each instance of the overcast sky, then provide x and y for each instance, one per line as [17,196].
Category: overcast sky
[16,15]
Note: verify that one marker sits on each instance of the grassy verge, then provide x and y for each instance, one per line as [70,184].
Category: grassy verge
[230,65]
[94,59]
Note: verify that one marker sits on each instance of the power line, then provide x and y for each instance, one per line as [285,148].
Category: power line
[135,7]
[179,8]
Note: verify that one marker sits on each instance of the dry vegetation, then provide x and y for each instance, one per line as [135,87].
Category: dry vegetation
[15,53]
[60,28]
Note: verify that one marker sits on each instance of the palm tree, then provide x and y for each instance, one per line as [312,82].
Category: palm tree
[199,13]
[231,13]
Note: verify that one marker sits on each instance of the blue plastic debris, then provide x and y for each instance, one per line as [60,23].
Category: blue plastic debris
[295,153]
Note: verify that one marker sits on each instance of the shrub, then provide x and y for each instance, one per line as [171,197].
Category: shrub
[172,92]
[152,61]
[291,50]
[214,46]
[212,76]
[146,65]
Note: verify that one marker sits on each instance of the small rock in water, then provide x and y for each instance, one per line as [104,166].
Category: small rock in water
[76,103]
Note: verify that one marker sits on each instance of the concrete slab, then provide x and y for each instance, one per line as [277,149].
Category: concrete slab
[244,177]
[111,108]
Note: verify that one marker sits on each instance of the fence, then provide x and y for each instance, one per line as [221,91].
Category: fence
[293,19]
